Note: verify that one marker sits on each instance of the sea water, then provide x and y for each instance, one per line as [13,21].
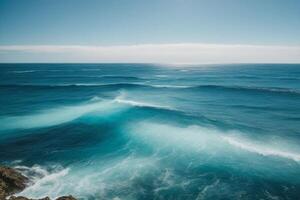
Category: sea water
[146,131]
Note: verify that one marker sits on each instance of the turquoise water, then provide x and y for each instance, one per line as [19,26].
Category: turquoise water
[141,131]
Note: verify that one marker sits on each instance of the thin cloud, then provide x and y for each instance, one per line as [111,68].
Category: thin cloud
[152,53]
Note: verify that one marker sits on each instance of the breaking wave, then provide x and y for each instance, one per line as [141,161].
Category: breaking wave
[44,181]
[205,139]
[63,114]
[261,149]
[57,116]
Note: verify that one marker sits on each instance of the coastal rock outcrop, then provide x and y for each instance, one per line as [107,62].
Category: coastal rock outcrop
[24,198]
[66,198]
[46,198]
[12,181]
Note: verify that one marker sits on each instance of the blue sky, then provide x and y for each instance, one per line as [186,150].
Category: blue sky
[139,22]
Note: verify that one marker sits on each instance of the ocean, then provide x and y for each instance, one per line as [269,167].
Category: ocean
[153,131]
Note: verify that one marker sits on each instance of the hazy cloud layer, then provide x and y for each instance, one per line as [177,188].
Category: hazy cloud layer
[152,53]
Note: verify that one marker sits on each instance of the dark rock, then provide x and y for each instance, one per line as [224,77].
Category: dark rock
[24,198]
[11,181]
[17,198]
[66,198]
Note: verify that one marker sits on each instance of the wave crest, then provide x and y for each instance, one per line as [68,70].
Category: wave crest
[205,140]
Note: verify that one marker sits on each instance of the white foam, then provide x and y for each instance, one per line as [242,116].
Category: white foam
[96,180]
[184,70]
[139,104]
[161,75]
[171,86]
[122,100]
[95,98]
[88,84]
[80,84]
[48,185]
[34,173]
[23,71]
[208,140]
[259,149]
[191,138]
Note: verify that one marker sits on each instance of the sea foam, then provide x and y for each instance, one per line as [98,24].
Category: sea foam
[260,149]
[207,140]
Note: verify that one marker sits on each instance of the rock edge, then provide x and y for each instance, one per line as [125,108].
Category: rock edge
[12,181]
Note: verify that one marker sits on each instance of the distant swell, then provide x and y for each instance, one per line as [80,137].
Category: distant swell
[72,85]
[247,89]
[271,90]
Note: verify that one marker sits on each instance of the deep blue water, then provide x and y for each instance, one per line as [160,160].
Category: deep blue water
[141,131]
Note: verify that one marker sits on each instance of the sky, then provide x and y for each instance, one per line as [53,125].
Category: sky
[171,31]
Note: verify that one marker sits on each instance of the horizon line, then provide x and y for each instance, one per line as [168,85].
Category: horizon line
[190,53]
